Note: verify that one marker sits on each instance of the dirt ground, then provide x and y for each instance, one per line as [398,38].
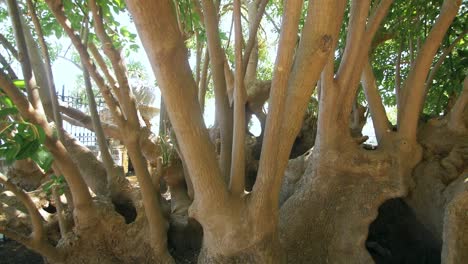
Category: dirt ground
[14,253]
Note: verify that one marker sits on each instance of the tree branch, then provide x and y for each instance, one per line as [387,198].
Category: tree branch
[168,56]
[377,110]
[253,35]
[223,113]
[8,68]
[23,57]
[48,69]
[37,241]
[278,95]
[103,66]
[398,77]
[356,30]
[237,178]
[81,197]
[8,46]
[204,81]
[319,38]
[350,87]
[36,218]
[57,9]
[414,92]
[127,99]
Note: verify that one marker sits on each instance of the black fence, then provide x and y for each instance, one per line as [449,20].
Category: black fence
[79,102]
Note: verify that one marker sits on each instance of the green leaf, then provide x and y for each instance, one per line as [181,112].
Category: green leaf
[28,149]
[43,158]
[8,111]
[20,84]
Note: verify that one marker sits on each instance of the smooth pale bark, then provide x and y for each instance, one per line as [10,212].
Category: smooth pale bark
[237,178]
[319,37]
[356,26]
[103,66]
[203,81]
[250,58]
[127,99]
[278,94]
[38,67]
[413,92]
[223,113]
[165,48]
[106,157]
[48,71]
[350,86]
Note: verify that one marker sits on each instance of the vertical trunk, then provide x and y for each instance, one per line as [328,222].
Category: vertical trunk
[224,114]
[237,178]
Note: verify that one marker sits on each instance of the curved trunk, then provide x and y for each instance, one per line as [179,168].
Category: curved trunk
[344,187]
[439,195]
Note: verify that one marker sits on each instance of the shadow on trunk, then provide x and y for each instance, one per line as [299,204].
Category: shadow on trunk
[397,236]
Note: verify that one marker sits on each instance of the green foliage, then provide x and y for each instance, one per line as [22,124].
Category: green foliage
[167,149]
[406,28]
[20,139]
[55,182]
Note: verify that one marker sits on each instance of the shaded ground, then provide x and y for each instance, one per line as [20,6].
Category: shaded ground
[14,253]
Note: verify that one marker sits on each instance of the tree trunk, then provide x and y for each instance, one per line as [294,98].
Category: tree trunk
[344,188]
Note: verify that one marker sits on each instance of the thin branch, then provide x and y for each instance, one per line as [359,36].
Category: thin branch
[199,51]
[8,46]
[350,86]
[107,160]
[253,35]
[398,77]
[223,112]
[48,68]
[273,22]
[78,118]
[356,30]
[8,68]
[377,110]
[204,81]
[64,228]
[57,8]
[23,57]
[71,61]
[237,178]
[103,66]
[128,102]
